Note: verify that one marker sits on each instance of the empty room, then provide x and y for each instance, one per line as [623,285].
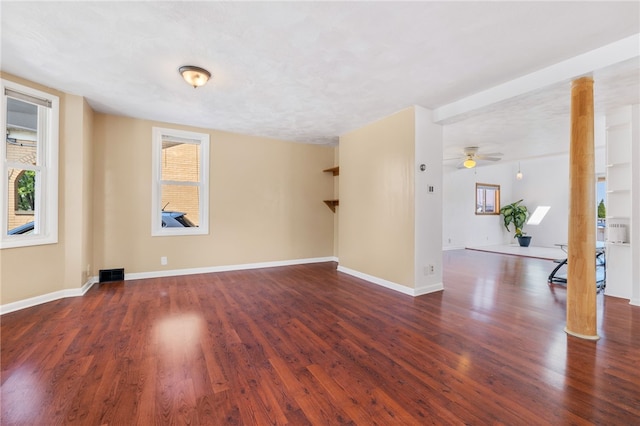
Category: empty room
[320,213]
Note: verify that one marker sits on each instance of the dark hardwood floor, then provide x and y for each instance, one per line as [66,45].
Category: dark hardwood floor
[309,345]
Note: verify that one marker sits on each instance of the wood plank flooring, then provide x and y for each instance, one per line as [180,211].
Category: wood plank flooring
[307,345]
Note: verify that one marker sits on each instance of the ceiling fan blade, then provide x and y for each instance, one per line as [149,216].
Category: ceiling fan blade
[487,158]
[470,150]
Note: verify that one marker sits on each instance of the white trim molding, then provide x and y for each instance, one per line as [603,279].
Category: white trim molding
[61,294]
[202,142]
[226,268]
[49,297]
[583,64]
[447,248]
[391,285]
[45,167]
[432,288]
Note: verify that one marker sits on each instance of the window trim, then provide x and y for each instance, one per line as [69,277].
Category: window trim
[46,216]
[201,139]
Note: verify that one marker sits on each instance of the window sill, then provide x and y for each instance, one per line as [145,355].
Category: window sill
[26,241]
[179,232]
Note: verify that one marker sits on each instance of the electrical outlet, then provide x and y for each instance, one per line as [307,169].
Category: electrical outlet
[163,260]
[432,269]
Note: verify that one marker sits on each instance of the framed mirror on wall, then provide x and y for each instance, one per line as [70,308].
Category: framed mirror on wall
[487,199]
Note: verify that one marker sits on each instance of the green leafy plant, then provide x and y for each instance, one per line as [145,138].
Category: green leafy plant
[602,210]
[515,214]
[26,190]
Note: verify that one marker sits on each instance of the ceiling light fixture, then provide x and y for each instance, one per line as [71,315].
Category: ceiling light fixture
[469,163]
[519,174]
[195,76]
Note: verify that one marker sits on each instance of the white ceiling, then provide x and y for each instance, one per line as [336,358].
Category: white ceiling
[537,124]
[311,71]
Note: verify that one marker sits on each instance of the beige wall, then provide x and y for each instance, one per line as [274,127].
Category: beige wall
[265,201]
[76,171]
[87,193]
[35,271]
[336,196]
[265,205]
[376,233]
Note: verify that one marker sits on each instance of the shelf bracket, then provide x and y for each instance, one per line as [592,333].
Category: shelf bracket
[332,204]
[335,170]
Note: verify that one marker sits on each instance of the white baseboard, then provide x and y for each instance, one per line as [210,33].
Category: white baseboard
[431,288]
[49,297]
[447,248]
[391,285]
[226,268]
[61,294]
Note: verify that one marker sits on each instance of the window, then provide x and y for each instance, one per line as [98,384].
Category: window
[487,199]
[25,192]
[29,155]
[180,193]
[601,207]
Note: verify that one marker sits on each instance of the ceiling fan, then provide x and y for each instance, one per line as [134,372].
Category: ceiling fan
[470,157]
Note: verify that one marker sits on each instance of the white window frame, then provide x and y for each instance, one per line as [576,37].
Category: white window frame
[201,139]
[46,214]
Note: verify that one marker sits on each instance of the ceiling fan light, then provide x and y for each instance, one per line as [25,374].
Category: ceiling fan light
[469,163]
[195,76]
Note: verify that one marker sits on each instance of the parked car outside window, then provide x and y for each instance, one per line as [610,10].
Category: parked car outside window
[27,228]
[176,220]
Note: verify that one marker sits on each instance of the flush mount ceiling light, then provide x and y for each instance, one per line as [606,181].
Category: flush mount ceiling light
[195,76]
[469,163]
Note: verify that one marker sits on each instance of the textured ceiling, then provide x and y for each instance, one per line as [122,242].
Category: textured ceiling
[537,124]
[311,71]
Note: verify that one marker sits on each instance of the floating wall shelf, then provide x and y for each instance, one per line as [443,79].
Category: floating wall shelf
[332,204]
[335,170]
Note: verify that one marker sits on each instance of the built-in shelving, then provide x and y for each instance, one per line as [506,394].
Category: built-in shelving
[619,208]
[619,244]
[615,165]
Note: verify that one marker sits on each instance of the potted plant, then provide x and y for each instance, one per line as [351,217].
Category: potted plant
[516,214]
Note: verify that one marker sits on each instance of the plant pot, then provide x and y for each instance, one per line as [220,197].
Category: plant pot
[524,241]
